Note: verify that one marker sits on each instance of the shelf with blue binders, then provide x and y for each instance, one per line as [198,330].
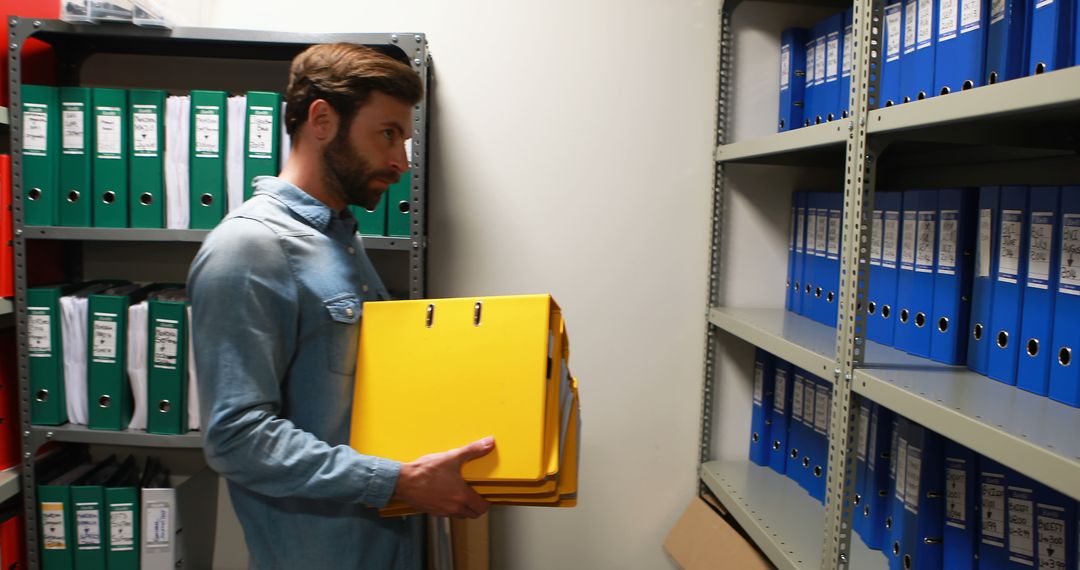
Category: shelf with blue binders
[163,235]
[808,146]
[1027,432]
[781,520]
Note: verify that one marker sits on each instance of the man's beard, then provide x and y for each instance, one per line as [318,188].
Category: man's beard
[350,174]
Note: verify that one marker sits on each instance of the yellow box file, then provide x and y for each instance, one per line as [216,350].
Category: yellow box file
[434,375]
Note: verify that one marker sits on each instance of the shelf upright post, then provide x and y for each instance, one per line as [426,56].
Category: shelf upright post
[854,283]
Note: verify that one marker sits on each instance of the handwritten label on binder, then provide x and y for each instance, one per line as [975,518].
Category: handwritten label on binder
[88,526]
[993,512]
[1012,222]
[260,132]
[864,432]
[1051,538]
[1039,244]
[911,17]
[956,494]
[144,122]
[947,246]
[207,131]
[970,15]
[982,251]
[889,241]
[122,527]
[872,451]
[997,11]
[35,129]
[834,235]
[911,479]
[832,57]
[1021,520]
[52,526]
[819,62]
[797,399]
[785,66]
[780,391]
[926,19]
[901,468]
[822,233]
[845,67]
[947,20]
[166,339]
[72,119]
[800,231]
[876,231]
[1070,255]
[907,247]
[759,383]
[924,253]
[39,325]
[110,127]
[104,339]
[158,533]
[892,29]
[821,410]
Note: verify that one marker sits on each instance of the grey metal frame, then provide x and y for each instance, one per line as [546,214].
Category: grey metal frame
[74,41]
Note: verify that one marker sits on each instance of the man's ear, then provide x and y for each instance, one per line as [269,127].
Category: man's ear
[323,120]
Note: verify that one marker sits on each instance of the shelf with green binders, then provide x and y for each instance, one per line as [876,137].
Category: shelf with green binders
[40,435]
[190,236]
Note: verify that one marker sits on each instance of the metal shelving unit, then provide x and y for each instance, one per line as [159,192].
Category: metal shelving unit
[74,45]
[1017,132]
[782,520]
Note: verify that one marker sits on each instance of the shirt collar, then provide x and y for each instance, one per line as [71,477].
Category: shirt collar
[317,214]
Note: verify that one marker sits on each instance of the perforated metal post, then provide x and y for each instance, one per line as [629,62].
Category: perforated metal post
[854,283]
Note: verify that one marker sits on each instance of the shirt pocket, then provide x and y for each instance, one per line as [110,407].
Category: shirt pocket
[344,333]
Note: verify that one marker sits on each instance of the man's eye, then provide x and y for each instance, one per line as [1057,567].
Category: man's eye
[388,134]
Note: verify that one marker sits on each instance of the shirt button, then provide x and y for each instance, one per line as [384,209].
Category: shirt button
[349,313]
[352,250]
[364,288]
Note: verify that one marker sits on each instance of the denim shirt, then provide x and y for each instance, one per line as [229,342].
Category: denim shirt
[277,293]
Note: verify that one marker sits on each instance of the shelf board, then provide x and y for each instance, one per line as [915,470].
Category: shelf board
[798,340]
[1008,109]
[135,438]
[1029,433]
[807,146]
[9,483]
[781,518]
[163,235]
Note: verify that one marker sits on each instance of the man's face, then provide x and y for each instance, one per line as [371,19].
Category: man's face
[368,155]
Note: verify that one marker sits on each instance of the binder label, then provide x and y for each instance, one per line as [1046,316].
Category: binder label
[890,239]
[779,391]
[993,508]
[35,129]
[986,232]
[822,233]
[947,20]
[875,237]
[88,526]
[808,404]
[797,399]
[924,252]
[1050,535]
[820,56]
[864,429]
[759,382]
[970,15]
[926,19]
[122,527]
[104,337]
[109,129]
[907,253]
[158,535]
[1070,255]
[911,480]
[811,63]
[260,132]
[800,231]
[166,340]
[144,121]
[52,526]
[834,235]
[845,67]
[1009,255]
[821,411]
[785,66]
[1042,234]
[901,468]
[207,131]
[956,494]
[950,222]
[872,450]
[832,57]
[39,325]
[811,231]
[1021,519]
[892,31]
[997,11]
[911,13]
[1043,3]
[73,119]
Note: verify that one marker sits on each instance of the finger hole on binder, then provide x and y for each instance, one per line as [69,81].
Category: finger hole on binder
[776,444]
[1040,68]
[945,90]
[920,320]
[430,315]
[73,196]
[34,194]
[146,198]
[943,324]
[895,547]
[794,453]
[42,395]
[907,562]
[921,96]
[904,315]
[206,199]
[1003,339]
[478,309]
[164,406]
[108,197]
[992,78]
[977,332]
[817,292]
[858,500]
[830,296]
[866,511]
[1065,356]
[1033,347]
[104,401]
[403,206]
[886,311]
[782,124]
[818,471]
[871,307]
[806,462]
[969,84]
[755,437]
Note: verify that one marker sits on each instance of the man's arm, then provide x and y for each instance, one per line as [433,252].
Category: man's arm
[244,318]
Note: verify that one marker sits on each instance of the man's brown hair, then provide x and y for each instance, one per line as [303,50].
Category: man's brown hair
[345,75]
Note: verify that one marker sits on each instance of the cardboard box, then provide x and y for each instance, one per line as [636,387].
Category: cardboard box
[703,540]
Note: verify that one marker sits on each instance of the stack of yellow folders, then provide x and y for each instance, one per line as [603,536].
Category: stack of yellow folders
[435,375]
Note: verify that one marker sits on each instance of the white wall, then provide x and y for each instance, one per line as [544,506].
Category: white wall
[572,154]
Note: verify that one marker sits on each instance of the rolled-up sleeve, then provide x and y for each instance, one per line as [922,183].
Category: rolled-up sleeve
[245,318]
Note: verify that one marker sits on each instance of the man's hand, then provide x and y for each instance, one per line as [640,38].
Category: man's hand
[434,484]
